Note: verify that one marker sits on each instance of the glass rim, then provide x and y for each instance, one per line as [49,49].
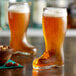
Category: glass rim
[48,8]
[18,3]
[56,7]
[20,7]
[55,11]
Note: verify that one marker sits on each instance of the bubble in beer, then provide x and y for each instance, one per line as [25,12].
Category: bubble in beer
[55,12]
[19,8]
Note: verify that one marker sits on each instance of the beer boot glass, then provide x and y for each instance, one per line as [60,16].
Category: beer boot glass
[54,23]
[18,16]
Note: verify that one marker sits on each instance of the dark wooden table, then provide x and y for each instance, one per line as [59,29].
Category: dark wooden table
[26,61]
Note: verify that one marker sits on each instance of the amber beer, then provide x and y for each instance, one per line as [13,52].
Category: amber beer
[18,15]
[54,28]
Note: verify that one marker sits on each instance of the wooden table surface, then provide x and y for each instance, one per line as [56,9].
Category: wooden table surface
[26,61]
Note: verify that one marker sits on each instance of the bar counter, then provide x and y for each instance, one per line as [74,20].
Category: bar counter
[69,59]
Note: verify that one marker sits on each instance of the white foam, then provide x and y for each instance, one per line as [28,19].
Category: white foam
[19,8]
[55,12]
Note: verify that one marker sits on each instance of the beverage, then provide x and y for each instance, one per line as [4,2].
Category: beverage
[54,28]
[18,15]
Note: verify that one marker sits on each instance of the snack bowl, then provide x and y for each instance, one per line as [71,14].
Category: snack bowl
[5,54]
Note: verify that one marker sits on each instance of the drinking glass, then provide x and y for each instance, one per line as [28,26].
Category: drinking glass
[54,23]
[18,16]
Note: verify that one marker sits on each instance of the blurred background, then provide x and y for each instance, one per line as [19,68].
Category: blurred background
[36,7]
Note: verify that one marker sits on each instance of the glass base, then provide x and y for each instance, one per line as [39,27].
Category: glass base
[24,53]
[51,67]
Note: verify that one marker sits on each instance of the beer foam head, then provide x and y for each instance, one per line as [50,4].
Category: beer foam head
[19,8]
[55,12]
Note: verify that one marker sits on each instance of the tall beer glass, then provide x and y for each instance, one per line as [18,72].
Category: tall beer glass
[18,16]
[54,24]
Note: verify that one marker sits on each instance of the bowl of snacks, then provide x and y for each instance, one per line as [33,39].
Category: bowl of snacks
[5,54]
